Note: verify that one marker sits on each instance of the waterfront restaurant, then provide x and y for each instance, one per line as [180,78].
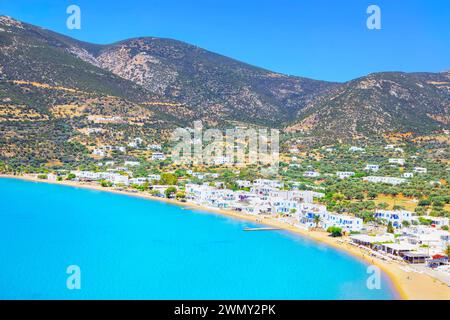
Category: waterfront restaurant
[415,257]
[399,249]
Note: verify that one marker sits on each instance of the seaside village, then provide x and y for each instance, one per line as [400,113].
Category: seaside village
[399,235]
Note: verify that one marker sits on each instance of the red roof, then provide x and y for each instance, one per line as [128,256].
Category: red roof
[438,256]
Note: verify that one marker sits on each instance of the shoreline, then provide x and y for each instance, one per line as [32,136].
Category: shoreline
[407,285]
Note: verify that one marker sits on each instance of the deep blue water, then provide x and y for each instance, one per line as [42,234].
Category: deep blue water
[131,248]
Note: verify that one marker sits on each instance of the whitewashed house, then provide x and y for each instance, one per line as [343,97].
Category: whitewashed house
[268,183]
[408,175]
[398,161]
[346,223]
[396,217]
[420,170]
[131,163]
[308,211]
[87,175]
[283,206]
[158,156]
[311,174]
[99,152]
[154,177]
[372,167]
[344,174]
[435,221]
[198,175]
[243,183]
[387,180]
[221,161]
[356,149]
[154,147]
[138,181]
[135,143]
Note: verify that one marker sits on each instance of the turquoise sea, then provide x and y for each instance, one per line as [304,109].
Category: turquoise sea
[132,248]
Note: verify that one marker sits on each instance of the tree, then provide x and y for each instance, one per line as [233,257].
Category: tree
[390,227]
[155,193]
[372,194]
[180,195]
[359,196]
[169,179]
[382,206]
[424,203]
[170,191]
[335,231]
[447,251]
[398,207]
[106,184]
[317,220]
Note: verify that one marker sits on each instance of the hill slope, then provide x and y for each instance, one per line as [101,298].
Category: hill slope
[378,104]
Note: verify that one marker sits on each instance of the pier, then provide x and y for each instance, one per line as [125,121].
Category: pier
[261,229]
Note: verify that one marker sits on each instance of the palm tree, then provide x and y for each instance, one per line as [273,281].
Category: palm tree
[447,251]
[317,220]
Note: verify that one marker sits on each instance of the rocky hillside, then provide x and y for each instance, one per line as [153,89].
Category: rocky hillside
[378,104]
[181,80]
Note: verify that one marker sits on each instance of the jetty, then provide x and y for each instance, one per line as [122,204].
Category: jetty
[261,229]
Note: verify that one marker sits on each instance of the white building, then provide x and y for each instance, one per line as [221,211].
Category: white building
[99,152]
[154,147]
[356,149]
[372,167]
[346,223]
[131,163]
[243,183]
[198,175]
[87,175]
[396,217]
[398,161]
[154,177]
[158,156]
[345,174]
[221,161]
[138,181]
[311,174]
[268,183]
[408,175]
[135,143]
[435,221]
[387,180]
[308,212]
[420,170]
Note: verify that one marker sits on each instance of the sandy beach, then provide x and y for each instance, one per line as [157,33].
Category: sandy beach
[409,285]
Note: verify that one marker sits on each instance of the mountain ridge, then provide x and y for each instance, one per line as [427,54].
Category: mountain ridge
[149,86]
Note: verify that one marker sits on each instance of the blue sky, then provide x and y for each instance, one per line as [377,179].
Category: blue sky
[320,39]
